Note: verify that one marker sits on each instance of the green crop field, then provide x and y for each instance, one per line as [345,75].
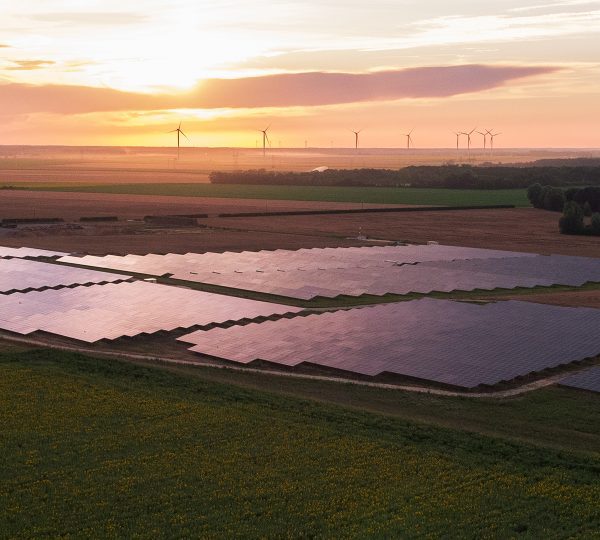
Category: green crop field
[96,448]
[444,197]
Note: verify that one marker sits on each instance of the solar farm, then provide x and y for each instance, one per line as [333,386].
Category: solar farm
[218,380]
[453,343]
[428,341]
[311,273]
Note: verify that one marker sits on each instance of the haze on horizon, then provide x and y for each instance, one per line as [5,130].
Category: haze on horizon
[125,73]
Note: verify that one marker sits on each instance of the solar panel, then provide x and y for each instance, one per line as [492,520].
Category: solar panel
[24,274]
[28,252]
[329,272]
[124,309]
[588,379]
[447,342]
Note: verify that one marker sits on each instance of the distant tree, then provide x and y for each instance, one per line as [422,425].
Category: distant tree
[590,195]
[572,220]
[570,193]
[595,227]
[554,199]
[587,209]
[534,194]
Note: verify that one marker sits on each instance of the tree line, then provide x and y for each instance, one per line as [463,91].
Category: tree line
[442,176]
[580,207]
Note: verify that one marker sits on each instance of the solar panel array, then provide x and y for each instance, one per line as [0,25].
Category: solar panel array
[28,252]
[447,342]
[24,274]
[124,309]
[308,273]
[588,379]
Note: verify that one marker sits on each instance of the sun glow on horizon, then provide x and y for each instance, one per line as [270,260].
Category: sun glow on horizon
[172,62]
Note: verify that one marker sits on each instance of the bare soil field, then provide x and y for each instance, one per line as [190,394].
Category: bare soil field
[72,206]
[108,163]
[99,176]
[141,239]
[586,298]
[520,229]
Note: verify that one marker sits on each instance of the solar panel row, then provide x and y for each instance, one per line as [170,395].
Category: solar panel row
[124,309]
[308,273]
[444,341]
[28,252]
[24,274]
[205,264]
[588,379]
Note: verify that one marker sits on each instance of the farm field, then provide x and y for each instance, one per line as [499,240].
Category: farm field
[115,449]
[72,205]
[518,229]
[383,195]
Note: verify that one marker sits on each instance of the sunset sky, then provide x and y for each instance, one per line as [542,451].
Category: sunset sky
[110,72]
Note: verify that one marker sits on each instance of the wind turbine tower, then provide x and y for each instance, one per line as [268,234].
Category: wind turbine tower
[458,134]
[484,134]
[179,132]
[356,137]
[468,135]
[492,135]
[409,140]
[265,139]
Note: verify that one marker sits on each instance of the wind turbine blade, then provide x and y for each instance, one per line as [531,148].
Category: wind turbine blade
[184,135]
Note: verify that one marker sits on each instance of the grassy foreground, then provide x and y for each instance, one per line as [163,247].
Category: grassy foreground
[378,195]
[103,448]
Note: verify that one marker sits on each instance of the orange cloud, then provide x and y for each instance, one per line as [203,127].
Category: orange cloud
[27,65]
[283,90]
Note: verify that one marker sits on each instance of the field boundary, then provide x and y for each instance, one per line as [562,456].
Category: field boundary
[366,210]
[155,359]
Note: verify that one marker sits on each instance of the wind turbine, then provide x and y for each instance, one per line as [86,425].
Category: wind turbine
[458,134]
[356,137]
[409,138]
[485,134]
[265,139]
[492,135]
[179,132]
[469,140]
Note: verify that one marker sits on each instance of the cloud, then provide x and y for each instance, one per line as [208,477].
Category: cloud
[282,90]
[306,89]
[27,65]
[92,18]
[553,5]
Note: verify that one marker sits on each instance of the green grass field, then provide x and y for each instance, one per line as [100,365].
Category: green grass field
[445,197]
[95,448]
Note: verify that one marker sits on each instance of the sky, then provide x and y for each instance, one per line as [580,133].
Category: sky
[108,72]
